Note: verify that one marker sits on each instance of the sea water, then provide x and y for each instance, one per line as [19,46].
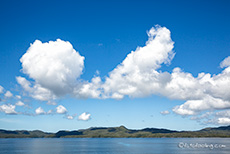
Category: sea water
[115,146]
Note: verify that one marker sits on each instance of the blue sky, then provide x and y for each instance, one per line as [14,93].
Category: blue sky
[98,36]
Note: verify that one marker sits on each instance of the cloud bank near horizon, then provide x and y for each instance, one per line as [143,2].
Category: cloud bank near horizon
[54,70]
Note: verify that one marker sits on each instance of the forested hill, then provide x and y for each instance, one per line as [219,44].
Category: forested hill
[118,132]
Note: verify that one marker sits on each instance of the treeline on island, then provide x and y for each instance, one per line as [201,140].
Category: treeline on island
[118,132]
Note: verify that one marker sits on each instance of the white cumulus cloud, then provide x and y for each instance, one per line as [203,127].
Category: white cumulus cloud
[54,66]
[61,109]
[19,103]
[137,75]
[192,107]
[84,116]
[40,111]
[8,94]
[223,121]
[206,92]
[8,109]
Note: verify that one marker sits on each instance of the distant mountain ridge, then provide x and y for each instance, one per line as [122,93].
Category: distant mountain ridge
[23,134]
[218,128]
[118,132]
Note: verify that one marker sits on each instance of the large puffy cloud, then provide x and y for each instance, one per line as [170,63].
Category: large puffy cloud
[136,76]
[182,86]
[205,92]
[54,66]
[192,107]
[139,75]
[220,85]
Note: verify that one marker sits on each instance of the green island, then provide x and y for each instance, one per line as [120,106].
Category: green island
[119,132]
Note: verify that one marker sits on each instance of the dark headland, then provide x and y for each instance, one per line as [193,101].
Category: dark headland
[119,132]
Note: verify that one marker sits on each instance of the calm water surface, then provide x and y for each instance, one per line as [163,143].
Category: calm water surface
[115,146]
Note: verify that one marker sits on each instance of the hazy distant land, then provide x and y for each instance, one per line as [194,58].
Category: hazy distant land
[118,132]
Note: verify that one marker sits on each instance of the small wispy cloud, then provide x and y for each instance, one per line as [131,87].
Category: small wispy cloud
[225,62]
[165,112]
[71,117]
[18,97]
[10,120]
[1,89]
[51,103]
